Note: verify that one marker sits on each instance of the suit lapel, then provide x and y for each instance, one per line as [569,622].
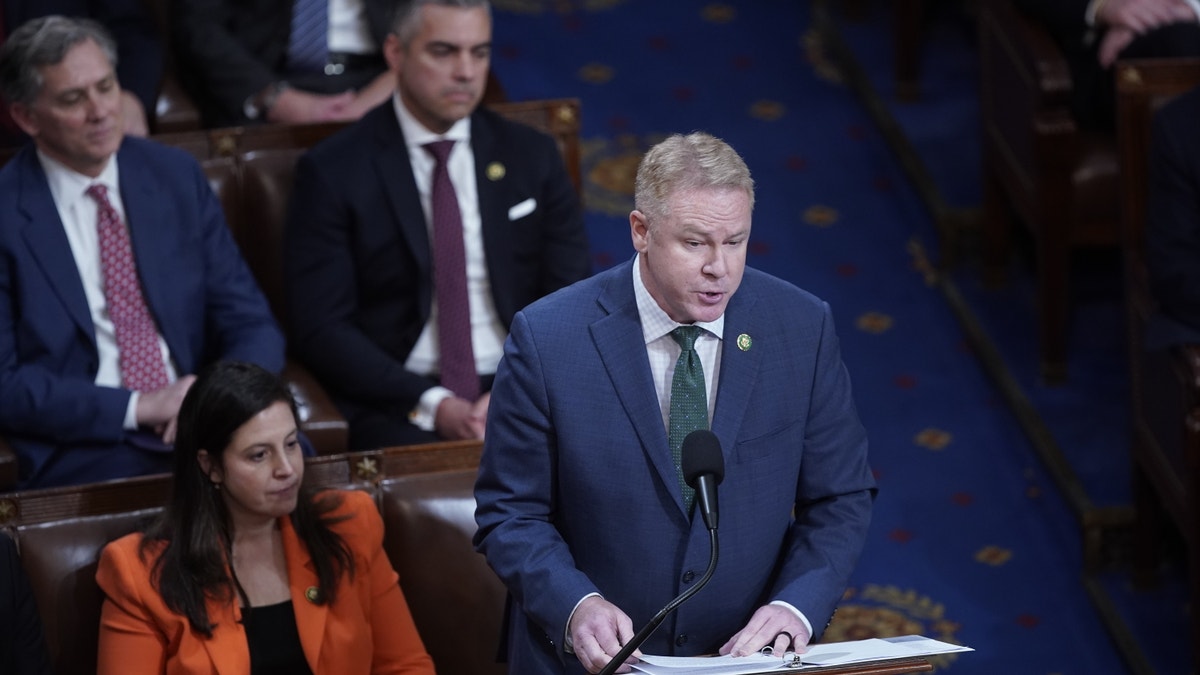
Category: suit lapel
[148,217]
[618,339]
[47,241]
[395,173]
[302,578]
[227,649]
[739,369]
[493,212]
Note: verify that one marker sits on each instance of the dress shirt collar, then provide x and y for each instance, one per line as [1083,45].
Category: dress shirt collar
[68,184]
[416,135]
[655,322]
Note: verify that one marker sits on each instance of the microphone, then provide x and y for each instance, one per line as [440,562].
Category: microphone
[703,467]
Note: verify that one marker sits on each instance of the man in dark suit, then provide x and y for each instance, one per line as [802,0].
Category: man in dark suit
[118,275]
[262,60]
[139,48]
[1093,34]
[366,300]
[1173,223]
[22,647]
[581,508]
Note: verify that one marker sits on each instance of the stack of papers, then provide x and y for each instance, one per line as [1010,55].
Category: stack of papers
[817,656]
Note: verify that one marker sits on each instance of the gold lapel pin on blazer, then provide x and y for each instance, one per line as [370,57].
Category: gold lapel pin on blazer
[495,171]
[744,342]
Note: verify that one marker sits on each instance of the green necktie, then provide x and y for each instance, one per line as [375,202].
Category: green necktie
[689,401]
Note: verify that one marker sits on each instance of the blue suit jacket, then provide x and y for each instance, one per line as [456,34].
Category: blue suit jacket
[199,290]
[577,492]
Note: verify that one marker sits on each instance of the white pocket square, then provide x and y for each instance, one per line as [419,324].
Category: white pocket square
[523,209]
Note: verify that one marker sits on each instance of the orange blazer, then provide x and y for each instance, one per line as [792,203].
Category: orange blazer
[367,630]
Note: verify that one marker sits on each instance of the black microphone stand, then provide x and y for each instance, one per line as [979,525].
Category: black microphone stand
[646,630]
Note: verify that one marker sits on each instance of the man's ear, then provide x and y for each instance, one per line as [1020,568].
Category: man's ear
[393,52]
[639,230]
[24,117]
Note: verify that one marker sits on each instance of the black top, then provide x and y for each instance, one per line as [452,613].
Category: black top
[274,641]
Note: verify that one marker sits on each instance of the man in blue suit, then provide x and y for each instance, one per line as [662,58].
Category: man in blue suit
[116,267]
[580,508]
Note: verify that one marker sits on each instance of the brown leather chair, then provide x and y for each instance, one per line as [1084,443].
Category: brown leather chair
[1165,383]
[1061,181]
[430,519]
[8,465]
[243,194]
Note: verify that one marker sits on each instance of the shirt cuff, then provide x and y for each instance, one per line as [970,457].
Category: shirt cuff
[131,423]
[798,613]
[424,416]
[568,646]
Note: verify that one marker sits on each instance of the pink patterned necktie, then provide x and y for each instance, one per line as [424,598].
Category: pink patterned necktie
[456,357]
[141,361]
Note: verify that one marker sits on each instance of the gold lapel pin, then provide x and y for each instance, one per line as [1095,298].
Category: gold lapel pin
[744,342]
[495,171]
[312,593]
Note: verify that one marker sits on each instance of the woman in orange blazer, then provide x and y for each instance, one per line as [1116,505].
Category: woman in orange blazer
[246,571]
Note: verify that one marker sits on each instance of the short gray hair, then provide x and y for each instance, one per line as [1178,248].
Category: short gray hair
[407,19]
[695,161]
[42,42]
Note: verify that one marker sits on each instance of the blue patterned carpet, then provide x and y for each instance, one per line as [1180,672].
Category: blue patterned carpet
[972,541]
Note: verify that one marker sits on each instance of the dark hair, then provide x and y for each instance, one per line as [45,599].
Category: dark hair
[192,536]
[41,42]
[406,18]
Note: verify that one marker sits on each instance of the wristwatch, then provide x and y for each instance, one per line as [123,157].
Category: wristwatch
[257,106]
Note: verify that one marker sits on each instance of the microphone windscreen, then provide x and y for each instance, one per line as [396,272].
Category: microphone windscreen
[701,454]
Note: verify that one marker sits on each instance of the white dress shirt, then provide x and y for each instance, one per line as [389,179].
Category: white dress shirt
[349,30]
[78,213]
[487,331]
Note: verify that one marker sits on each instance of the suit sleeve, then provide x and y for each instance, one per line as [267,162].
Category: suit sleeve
[834,494]
[398,646]
[37,401]
[130,641]
[516,490]
[323,298]
[223,65]
[1065,19]
[1173,212]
